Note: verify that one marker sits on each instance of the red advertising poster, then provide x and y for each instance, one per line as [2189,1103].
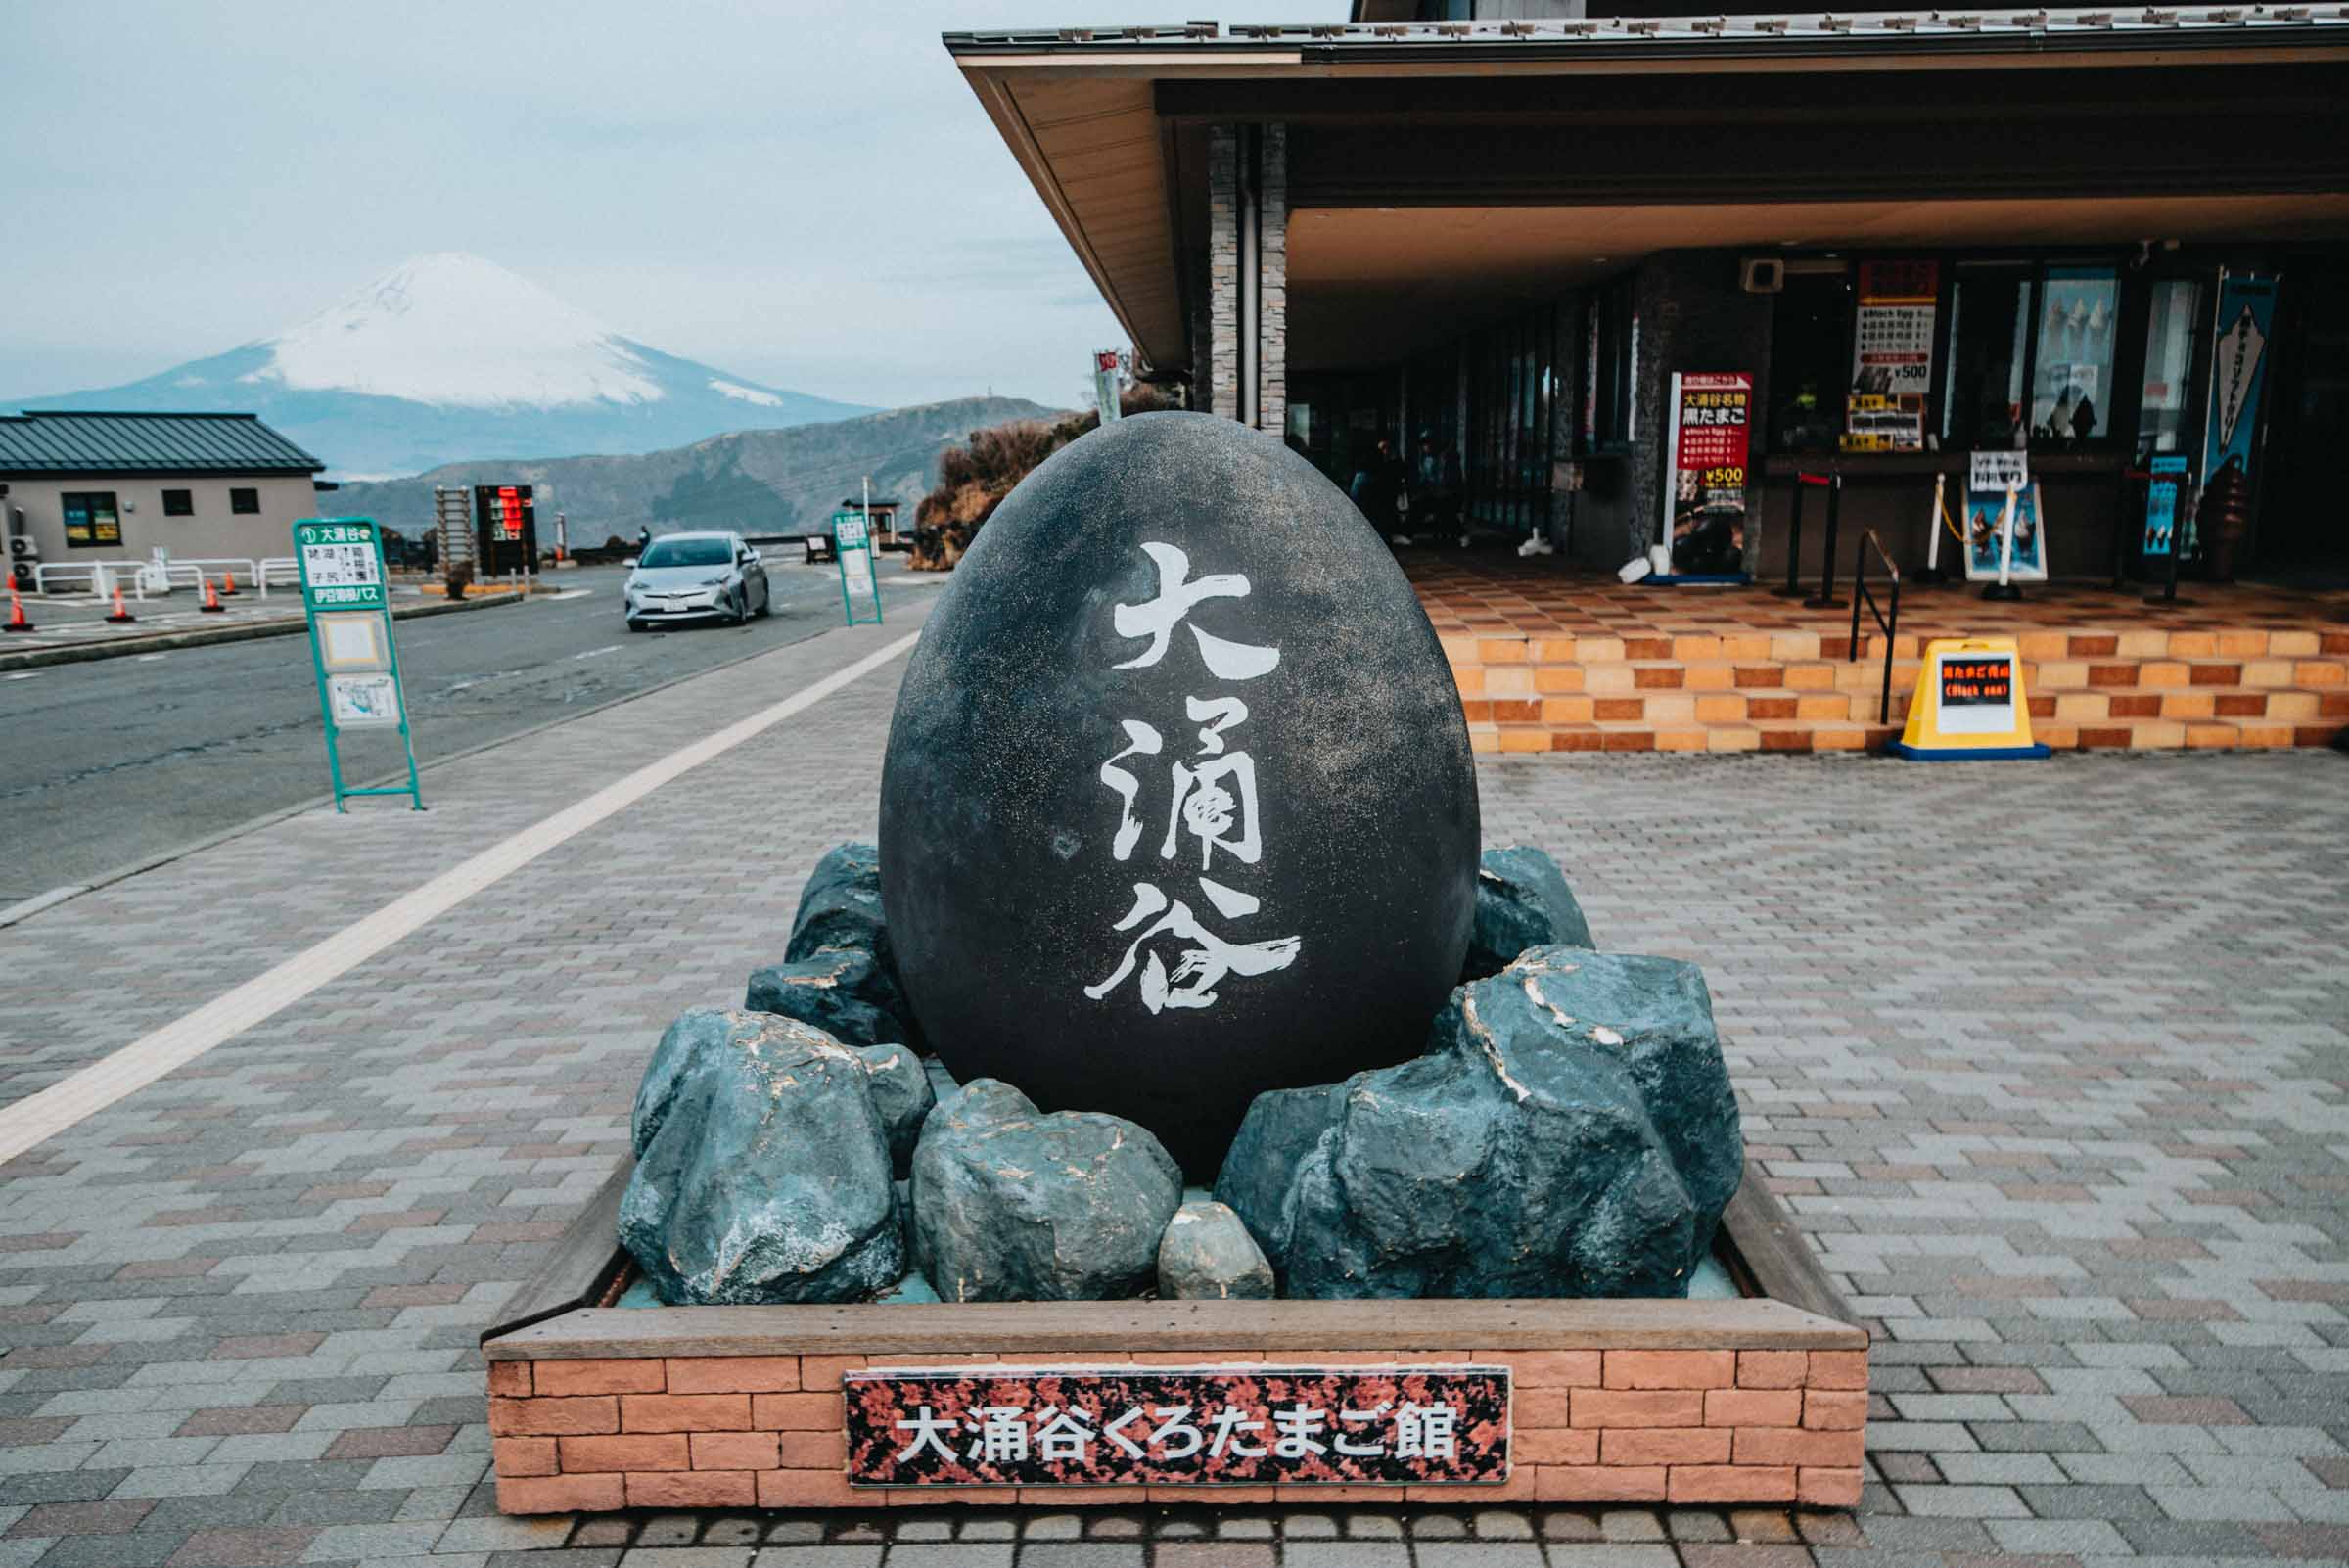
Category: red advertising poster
[1204,1426]
[1712,415]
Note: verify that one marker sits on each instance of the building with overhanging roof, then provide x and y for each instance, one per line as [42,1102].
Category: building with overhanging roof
[2114,241]
[114,487]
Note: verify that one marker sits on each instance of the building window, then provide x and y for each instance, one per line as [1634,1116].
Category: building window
[1610,366]
[1990,335]
[2071,383]
[244,500]
[179,503]
[1810,361]
[92,522]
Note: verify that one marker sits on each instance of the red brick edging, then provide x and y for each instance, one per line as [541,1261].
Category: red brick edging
[1648,1425]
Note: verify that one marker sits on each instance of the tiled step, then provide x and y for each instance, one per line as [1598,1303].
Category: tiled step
[1825,735]
[2142,688]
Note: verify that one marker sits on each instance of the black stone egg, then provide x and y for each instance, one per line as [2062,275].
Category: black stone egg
[1178,805]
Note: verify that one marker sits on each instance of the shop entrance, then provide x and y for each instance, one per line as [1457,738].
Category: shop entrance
[2303,521]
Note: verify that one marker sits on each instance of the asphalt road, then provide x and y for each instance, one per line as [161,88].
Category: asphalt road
[106,763]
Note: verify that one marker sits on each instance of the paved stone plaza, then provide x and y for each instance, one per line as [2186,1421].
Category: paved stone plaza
[2050,1060]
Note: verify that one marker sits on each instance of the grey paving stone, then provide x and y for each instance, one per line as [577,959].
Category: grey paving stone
[2218,1502]
[975,1554]
[1058,1554]
[2049,1536]
[1477,1554]
[1345,1554]
[1962,1502]
[1630,1524]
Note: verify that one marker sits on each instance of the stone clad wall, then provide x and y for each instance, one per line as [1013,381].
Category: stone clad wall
[1272,286]
[1693,1426]
[1223,389]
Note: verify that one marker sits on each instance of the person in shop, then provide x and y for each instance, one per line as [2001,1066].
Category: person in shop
[1436,488]
[1377,490]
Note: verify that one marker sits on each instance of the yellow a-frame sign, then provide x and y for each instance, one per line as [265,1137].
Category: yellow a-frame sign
[1968,705]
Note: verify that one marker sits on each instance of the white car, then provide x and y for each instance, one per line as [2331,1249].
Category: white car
[695,576]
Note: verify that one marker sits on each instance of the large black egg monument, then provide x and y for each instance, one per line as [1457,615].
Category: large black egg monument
[1178,804]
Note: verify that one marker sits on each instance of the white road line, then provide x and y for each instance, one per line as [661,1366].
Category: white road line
[29,675]
[596,653]
[570,594]
[79,1096]
[149,658]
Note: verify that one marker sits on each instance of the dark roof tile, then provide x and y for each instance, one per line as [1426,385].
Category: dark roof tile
[74,442]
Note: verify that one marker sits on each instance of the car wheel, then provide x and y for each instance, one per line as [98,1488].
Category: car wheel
[742,607]
[636,624]
[766,601]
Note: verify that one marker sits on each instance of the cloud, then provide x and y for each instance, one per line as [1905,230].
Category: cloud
[801,193]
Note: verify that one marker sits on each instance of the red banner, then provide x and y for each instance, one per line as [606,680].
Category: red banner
[1219,1426]
[1715,411]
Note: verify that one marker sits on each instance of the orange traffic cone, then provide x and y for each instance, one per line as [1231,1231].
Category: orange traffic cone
[16,610]
[121,616]
[211,605]
[228,584]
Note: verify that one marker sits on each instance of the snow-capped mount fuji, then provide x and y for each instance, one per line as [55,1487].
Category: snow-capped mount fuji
[450,357]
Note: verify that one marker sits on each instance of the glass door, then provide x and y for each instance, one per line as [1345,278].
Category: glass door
[2165,397]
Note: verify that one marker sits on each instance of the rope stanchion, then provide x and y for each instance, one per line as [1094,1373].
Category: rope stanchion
[1931,573]
[1794,537]
[1826,598]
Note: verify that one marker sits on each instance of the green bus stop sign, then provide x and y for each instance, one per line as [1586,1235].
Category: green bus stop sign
[853,547]
[346,599]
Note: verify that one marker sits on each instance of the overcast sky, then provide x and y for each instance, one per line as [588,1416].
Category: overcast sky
[805,194]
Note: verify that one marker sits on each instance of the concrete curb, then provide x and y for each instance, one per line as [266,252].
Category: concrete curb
[202,637]
[25,908]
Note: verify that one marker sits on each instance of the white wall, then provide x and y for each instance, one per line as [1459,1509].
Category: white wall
[213,531]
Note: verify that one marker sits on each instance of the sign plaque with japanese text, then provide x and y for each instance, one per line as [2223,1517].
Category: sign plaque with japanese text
[1091,1426]
[1710,415]
[353,656]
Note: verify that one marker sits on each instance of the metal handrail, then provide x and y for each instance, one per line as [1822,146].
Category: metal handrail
[1888,618]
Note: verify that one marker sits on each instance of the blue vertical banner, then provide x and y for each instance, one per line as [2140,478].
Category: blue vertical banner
[2238,370]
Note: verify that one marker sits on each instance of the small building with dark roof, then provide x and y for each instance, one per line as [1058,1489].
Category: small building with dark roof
[80,485]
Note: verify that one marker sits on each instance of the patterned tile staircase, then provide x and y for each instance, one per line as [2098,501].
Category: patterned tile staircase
[1548,660]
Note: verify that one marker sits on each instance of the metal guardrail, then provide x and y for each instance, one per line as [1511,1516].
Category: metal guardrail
[1887,617]
[101,576]
[284,567]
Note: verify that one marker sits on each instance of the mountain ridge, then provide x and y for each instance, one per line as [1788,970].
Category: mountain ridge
[753,481]
[447,355]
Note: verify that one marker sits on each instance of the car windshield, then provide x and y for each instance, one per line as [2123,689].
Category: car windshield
[687,553]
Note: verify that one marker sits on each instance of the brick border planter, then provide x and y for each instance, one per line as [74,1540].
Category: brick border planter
[1762,1400]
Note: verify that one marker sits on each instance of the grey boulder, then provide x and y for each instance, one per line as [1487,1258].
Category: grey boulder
[840,911]
[1208,1255]
[1522,900]
[762,1169]
[1010,1204]
[841,904]
[845,991]
[1571,1131]
[901,1094]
